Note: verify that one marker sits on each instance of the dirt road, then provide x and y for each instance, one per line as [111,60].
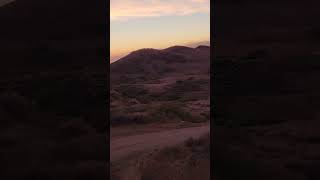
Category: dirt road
[124,146]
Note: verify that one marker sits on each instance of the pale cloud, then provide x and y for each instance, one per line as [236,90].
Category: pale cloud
[196,44]
[122,10]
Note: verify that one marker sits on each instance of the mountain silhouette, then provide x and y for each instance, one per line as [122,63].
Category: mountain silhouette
[176,59]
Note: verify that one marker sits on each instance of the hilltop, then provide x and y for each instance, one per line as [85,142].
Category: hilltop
[171,83]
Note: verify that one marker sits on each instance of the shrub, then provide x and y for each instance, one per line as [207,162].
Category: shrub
[169,112]
[206,115]
[172,153]
[135,91]
[131,91]
[201,144]
[124,119]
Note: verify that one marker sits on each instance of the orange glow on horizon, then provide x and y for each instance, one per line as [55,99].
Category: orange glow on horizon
[157,24]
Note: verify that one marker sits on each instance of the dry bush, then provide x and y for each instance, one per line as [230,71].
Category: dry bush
[120,118]
[179,162]
[171,112]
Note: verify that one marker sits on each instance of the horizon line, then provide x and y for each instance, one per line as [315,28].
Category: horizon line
[194,47]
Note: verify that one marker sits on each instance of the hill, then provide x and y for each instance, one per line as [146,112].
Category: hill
[169,82]
[162,63]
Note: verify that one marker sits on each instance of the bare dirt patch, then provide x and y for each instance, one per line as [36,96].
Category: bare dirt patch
[190,160]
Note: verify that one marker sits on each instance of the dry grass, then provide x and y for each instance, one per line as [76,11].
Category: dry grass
[188,161]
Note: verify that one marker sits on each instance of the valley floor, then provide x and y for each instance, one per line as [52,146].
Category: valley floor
[136,129]
[128,149]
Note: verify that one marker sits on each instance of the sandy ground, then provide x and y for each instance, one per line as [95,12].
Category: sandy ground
[131,130]
[124,146]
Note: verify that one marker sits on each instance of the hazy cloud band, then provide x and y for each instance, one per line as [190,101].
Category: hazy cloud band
[122,10]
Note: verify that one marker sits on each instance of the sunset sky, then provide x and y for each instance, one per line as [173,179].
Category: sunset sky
[137,24]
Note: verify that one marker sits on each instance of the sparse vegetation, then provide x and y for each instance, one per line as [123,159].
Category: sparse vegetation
[127,119]
[156,79]
[190,160]
[171,112]
[152,91]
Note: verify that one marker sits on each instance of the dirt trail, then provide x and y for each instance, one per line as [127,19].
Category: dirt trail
[124,146]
